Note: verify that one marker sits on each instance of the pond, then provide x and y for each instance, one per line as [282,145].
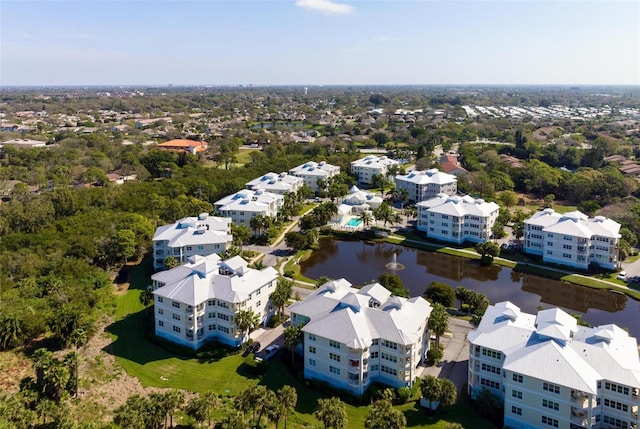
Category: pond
[361,262]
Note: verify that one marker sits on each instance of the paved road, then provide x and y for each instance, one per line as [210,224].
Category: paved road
[455,361]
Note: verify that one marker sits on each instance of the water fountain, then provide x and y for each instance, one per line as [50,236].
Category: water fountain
[394,265]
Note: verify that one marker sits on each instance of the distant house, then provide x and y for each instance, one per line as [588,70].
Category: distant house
[450,164]
[511,161]
[23,143]
[182,145]
[367,167]
[354,337]
[202,235]
[457,219]
[422,185]
[573,239]
[118,177]
[199,301]
[311,172]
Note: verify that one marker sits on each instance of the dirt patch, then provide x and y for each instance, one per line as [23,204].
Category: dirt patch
[103,384]
[14,366]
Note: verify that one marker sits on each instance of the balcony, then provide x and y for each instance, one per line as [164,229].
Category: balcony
[579,422]
[579,400]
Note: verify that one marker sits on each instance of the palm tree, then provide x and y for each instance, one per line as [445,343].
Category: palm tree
[382,415]
[11,331]
[247,320]
[448,392]
[173,401]
[78,338]
[438,322]
[430,388]
[213,402]
[292,337]
[332,413]
[288,397]
[281,295]
[366,217]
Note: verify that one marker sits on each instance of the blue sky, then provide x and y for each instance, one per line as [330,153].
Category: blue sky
[309,42]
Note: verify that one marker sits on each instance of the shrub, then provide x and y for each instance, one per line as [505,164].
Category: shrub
[403,394]
[289,273]
[434,356]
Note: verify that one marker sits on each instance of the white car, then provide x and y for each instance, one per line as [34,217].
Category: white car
[268,352]
[622,275]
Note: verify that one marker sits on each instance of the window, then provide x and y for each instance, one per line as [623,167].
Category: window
[390,345]
[491,368]
[616,405]
[614,422]
[312,349]
[334,370]
[312,337]
[175,304]
[212,327]
[334,344]
[223,329]
[616,388]
[212,315]
[516,410]
[175,316]
[388,370]
[224,317]
[375,342]
[211,302]
[550,387]
[160,323]
[516,394]
[390,358]
[374,355]
[550,404]
[375,367]
[312,362]
[160,311]
[492,353]
[517,378]
[334,357]
[549,421]
[159,299]
[490,383]
[177,329]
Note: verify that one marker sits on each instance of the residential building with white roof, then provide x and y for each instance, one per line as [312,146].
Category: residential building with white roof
[550,372]
[457,219]
[365,168]
[276,183]
[201,235]
[422,185]
[356,202]
[573,239]
[198,302]
[311,172]
[353,337]
[244,205]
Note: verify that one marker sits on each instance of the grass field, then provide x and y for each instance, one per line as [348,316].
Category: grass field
[223,373]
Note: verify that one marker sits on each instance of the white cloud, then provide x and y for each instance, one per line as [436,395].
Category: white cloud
[325,6]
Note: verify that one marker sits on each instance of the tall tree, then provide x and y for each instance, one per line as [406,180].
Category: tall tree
[292,337]
[332,413]
[246,321]
[288,398]
[281,295]
[382,415]
[438,322]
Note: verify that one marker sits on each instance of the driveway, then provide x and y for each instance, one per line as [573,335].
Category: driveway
[455,361]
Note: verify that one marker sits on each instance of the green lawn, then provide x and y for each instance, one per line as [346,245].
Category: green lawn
[223,373]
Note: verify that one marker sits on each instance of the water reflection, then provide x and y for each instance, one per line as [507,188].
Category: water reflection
[360,262]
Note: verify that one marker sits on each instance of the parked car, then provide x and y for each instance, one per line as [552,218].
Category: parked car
[268,353]
[252,348]
[622,275]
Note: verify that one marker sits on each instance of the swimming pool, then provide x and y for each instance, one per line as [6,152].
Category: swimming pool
[354,222]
